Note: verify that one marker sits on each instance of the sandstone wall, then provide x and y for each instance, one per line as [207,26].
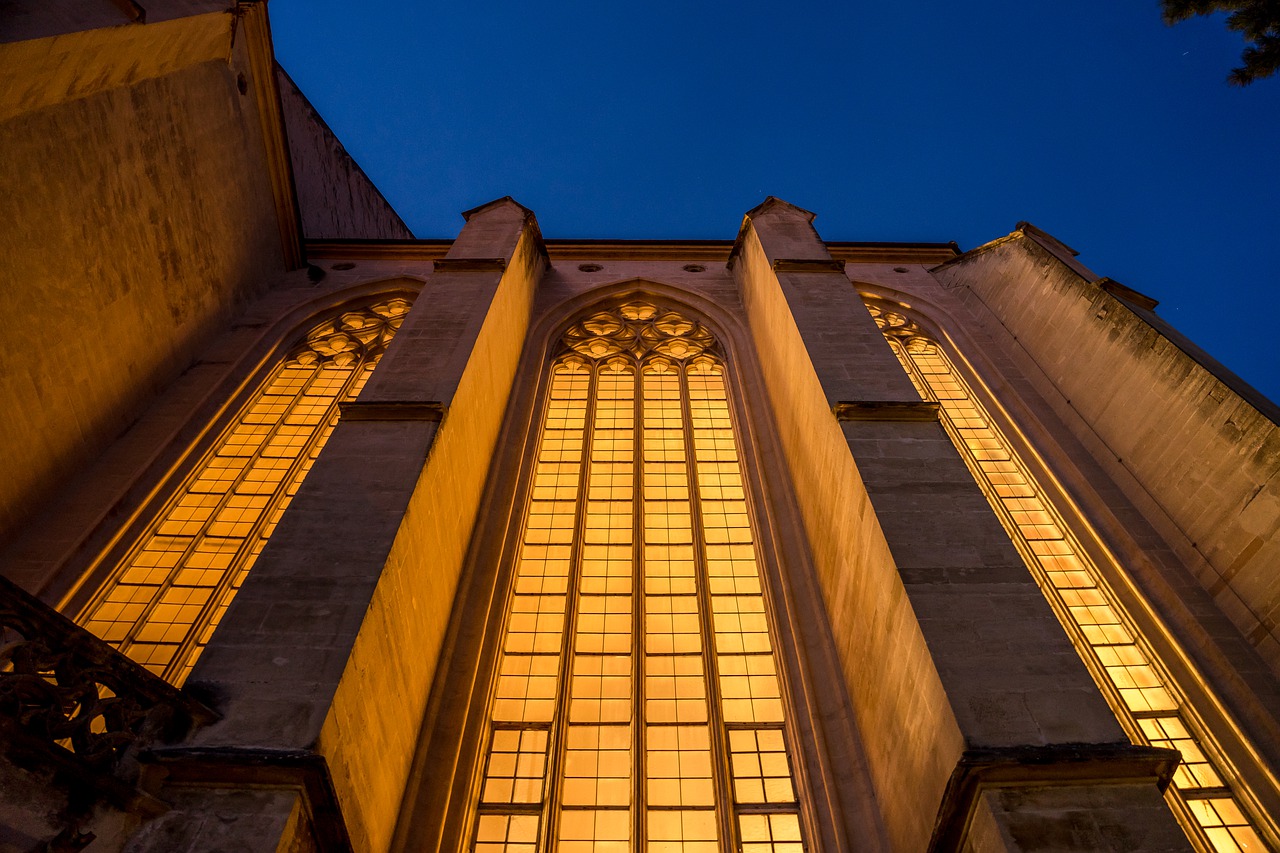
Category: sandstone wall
[1195,447]
[139,217]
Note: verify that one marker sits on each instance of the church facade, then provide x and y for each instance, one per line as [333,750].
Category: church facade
[319,536]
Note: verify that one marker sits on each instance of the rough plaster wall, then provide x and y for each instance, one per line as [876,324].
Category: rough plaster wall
[1206,458]
[336,198]
[136,220]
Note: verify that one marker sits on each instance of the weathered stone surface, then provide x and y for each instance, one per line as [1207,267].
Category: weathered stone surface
[1190,443]
[228,819]
[912,738]
[335,198]
[116,273]
[370,552]
[945,639]
[1117,818]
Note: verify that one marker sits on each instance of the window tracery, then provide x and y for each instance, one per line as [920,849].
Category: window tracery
[1141,692]
[638,702]
[163,601]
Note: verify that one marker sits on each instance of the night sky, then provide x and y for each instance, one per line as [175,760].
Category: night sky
[912,121]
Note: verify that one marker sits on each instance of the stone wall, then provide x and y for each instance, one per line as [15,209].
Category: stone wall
[138,217]
[952,657]
[335,197]
[1193,445]
[325,659]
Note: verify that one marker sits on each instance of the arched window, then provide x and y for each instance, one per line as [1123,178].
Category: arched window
[638,702]
[1205,795]
[165,598]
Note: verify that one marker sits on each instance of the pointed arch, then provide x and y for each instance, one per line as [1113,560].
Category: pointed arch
[638,695]
[834,809]
[163,597]
[1214,805]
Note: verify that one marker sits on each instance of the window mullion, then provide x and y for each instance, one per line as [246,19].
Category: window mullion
[245,555]
[715,715]
[639,765]
[144,618]
[554,772]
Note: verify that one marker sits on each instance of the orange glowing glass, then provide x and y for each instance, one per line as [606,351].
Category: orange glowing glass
[658,695]
[1142,694]
[164,600]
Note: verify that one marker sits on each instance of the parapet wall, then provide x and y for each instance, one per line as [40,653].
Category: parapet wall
[335,197]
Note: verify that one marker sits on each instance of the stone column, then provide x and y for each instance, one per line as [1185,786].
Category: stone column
[323,664]
[982,727]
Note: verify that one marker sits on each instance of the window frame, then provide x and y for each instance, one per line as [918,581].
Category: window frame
[839,813]
[1031,444]
[160,483]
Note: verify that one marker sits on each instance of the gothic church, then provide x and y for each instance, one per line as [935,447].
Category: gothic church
[316,536]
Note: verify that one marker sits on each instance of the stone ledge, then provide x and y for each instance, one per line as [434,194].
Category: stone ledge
[1128,294]
[470,265]
[247,767]
[377,410]
[807,265]
[886,410]
[1072,764]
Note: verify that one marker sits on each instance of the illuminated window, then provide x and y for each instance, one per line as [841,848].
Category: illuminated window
[638,703]
[166,597]
[1143,696]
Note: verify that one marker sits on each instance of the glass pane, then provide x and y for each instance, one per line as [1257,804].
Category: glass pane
[638,466]
[1133,680]
[167,596]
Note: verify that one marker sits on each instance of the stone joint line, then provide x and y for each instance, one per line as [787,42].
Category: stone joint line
[470,265]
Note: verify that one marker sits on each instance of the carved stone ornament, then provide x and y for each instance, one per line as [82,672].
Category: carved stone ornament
[901,328]
[638,330]
[350,338]
[65,689]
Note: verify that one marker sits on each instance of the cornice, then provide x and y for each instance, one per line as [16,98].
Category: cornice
[710,251]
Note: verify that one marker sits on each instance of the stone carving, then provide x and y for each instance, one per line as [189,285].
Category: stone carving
[900,328]
[638,329]
[350,338]
[62,687]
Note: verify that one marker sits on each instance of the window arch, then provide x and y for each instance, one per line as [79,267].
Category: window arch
[638,699]
[166,596]
[1206,794]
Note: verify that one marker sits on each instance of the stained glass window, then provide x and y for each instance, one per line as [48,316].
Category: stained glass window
[638,703]
[165,598]
[1141,692]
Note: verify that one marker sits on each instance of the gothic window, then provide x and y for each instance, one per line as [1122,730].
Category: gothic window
[638,702]
[165,598]
[1205,794]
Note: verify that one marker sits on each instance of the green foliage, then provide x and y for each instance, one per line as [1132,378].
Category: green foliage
[1257,20]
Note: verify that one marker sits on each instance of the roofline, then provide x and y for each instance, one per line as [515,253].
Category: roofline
[867,252]
[315,114]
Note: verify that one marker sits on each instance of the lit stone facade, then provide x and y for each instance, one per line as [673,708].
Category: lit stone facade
[508,543]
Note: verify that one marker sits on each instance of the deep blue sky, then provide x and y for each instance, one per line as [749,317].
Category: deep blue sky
[929,121]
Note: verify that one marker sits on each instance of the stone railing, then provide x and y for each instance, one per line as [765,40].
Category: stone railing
[71,696]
